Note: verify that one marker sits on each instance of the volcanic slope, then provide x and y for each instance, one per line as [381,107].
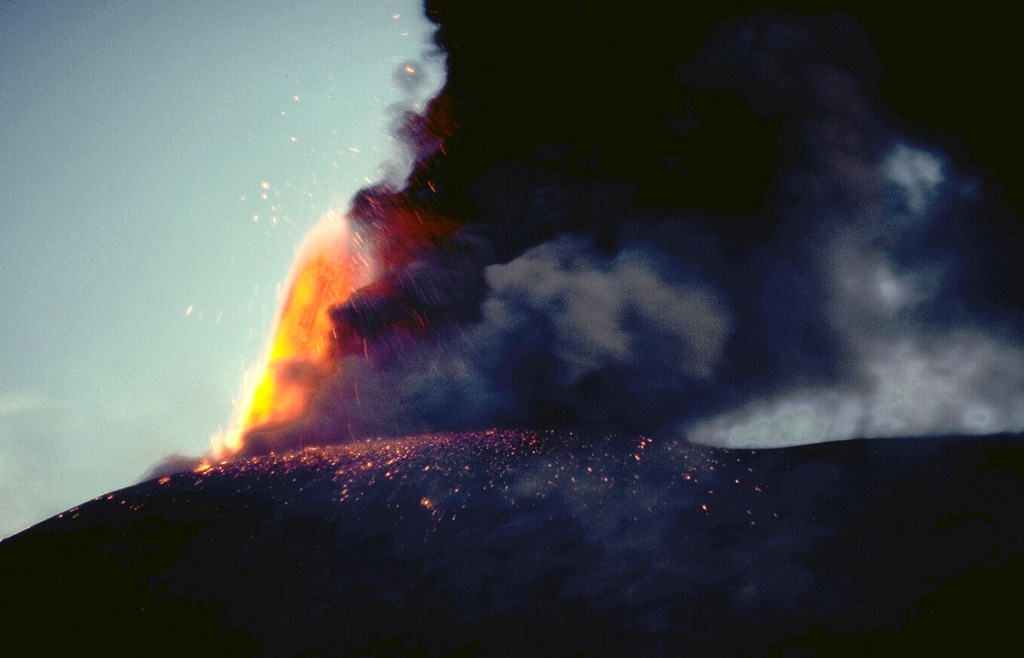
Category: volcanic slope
[522,543]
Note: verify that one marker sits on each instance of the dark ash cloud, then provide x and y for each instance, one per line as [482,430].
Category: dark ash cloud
[721,231]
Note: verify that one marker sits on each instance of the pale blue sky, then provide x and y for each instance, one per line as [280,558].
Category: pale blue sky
[134,141]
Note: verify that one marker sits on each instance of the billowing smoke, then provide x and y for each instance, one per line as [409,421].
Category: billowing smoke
[725,235]
[911,373]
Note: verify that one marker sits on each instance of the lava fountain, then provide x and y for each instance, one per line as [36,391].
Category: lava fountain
[303,346]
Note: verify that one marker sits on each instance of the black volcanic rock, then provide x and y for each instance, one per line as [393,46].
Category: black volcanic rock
[506,543]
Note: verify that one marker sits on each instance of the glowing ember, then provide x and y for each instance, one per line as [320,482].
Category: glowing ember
[302,347]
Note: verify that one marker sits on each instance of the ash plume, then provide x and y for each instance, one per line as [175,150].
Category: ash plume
[720,231]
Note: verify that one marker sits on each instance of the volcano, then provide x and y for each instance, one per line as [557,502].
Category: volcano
[738,230]
[551,543]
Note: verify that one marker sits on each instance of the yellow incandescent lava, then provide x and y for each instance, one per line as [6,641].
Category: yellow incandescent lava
[300,351]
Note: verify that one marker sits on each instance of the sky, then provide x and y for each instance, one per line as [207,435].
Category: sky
[159,164]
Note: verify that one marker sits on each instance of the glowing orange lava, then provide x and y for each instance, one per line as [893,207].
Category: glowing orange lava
[301,350]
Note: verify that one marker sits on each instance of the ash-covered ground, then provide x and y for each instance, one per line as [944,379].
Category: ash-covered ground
[526,543]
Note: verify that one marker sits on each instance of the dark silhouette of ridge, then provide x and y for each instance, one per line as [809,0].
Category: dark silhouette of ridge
[519,543]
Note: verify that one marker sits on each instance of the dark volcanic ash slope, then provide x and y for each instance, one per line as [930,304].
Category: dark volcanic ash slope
[504,543]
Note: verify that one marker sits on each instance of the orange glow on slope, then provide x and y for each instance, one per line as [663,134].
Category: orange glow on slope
[301,350]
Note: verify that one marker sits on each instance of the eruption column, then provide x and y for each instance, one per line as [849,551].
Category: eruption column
[303,347]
